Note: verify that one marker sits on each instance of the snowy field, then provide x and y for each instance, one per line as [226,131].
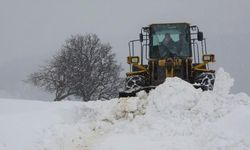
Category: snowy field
[174,116]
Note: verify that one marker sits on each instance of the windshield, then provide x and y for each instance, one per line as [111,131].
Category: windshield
[169,40]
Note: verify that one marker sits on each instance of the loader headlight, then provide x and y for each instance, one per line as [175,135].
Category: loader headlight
[208,58]
[133,60]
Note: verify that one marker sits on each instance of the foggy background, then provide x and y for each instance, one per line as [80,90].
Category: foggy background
[31,31]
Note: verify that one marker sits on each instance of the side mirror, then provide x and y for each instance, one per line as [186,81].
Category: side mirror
[200,36]
[141,37]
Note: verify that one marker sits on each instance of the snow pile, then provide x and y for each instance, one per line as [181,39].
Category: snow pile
[174,116]
[198,118]
[179,117]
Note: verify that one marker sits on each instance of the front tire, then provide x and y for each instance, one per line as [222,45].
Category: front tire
[135,82]
[205,81]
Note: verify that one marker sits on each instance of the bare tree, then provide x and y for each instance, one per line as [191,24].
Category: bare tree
[84,67]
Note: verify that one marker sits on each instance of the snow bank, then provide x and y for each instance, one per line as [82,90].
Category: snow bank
[179,117]
[23,124]
[174,116]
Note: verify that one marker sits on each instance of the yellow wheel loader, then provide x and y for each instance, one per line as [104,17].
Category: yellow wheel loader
[168,50]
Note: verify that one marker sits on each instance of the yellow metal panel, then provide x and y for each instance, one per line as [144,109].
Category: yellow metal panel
[135,73]
[162,62]
[139,66]
[170,73]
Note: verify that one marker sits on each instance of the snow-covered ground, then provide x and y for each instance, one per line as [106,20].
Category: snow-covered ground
[174,116]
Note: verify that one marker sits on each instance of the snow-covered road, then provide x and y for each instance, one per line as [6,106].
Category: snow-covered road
[174,116]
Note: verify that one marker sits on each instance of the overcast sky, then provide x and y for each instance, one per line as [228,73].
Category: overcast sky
[31,31]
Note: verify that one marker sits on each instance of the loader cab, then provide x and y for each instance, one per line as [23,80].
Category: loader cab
[178,37]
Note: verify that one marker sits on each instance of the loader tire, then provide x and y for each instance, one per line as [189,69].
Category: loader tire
[206,81]
[135,82]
